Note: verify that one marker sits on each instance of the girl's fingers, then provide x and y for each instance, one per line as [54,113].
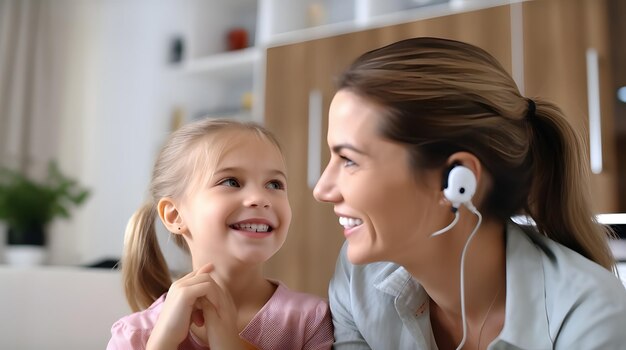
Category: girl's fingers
[197,317]
[209,267]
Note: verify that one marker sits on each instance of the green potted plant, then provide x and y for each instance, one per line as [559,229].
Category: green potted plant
[28,206]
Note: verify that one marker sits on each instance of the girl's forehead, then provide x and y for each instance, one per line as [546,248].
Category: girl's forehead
[251,147]
[236,150]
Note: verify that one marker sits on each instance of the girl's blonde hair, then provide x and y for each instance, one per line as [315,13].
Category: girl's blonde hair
[444,96]
[187,159]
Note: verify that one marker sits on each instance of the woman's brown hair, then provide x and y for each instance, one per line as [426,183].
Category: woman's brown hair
[186,160]
[443,96]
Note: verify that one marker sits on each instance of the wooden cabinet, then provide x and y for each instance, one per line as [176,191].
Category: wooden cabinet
[562,40]
[294,73]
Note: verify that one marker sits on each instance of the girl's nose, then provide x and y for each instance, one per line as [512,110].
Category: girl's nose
[257,199]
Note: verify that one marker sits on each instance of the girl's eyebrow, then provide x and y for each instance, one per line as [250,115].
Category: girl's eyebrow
[339,147]
[278,172]
[272,172]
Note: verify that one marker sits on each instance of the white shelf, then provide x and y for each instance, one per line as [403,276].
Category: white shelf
[226,65]
[210,79]
[374,14]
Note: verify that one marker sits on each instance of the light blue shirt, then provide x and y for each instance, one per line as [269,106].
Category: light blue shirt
[555,299]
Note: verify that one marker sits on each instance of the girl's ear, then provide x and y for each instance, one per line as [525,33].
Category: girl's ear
[170,216]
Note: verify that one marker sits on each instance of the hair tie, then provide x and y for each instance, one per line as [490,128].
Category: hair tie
[530,113]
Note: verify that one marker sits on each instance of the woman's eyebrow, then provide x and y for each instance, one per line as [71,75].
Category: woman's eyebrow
[339,147]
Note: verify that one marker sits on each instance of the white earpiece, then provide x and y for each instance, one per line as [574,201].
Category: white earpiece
[460,187]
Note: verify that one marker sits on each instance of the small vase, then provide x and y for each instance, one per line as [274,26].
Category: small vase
[25,255]
[26,247]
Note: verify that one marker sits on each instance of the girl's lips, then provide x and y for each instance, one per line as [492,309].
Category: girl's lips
[247,223]
[254,228]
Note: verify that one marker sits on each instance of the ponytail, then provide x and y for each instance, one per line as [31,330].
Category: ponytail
[559,194]
[144,270]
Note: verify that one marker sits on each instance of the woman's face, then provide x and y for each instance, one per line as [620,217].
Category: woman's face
[387,211]
[242,214]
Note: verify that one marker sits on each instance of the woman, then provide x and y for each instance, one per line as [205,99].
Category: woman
[433,149]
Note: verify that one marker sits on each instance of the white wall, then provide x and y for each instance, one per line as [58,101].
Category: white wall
[106,114]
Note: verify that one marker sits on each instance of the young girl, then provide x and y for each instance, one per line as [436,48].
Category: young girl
[220,188]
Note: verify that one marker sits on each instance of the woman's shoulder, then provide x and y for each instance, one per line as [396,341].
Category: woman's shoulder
[566,267]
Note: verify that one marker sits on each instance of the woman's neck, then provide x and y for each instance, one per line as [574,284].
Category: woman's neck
[484,275]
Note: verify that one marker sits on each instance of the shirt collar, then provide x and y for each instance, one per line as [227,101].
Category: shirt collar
[526,320]
[392,279]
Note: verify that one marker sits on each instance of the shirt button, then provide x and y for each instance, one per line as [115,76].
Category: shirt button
[420,310]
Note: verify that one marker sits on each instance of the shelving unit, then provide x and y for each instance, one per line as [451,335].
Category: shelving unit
[211,80]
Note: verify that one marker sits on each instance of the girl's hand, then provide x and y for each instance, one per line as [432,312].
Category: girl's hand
[181,307]
[220,319]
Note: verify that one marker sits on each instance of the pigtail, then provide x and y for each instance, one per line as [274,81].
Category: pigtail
[144,270]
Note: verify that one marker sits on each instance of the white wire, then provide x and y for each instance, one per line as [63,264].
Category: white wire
[480,219]
[447,228]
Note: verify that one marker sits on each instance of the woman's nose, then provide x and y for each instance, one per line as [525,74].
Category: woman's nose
[326,190]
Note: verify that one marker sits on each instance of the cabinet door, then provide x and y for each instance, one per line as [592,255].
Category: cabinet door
[306,261]
[557,35]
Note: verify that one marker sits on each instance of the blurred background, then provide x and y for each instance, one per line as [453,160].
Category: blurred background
[96,86]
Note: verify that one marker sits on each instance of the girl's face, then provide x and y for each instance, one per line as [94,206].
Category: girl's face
[241,215]
[386,211]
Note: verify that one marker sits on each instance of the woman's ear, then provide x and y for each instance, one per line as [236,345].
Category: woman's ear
[471,162]
[467,160]
[170,216]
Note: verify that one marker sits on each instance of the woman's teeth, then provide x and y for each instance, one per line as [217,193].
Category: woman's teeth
[252,227]
[349,222]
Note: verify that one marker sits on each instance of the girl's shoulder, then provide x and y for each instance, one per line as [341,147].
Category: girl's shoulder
[291,320]
[290,301]
[132,331]
[140,321]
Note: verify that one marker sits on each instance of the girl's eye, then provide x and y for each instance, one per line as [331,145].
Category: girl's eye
[276,185]
[347,162]
[229,182]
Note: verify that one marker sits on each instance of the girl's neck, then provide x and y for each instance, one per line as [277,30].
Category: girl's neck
[249,290]
[245,284]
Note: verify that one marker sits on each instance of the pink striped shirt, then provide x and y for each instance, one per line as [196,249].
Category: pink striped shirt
[289,320]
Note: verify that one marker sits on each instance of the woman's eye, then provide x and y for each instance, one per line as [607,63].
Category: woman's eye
[347,161]
[275,185]
[229,182]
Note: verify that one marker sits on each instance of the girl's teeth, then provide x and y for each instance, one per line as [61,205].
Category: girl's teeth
[349,222]
[252,227]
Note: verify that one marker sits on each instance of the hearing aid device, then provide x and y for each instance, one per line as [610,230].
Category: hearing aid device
[460,186]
